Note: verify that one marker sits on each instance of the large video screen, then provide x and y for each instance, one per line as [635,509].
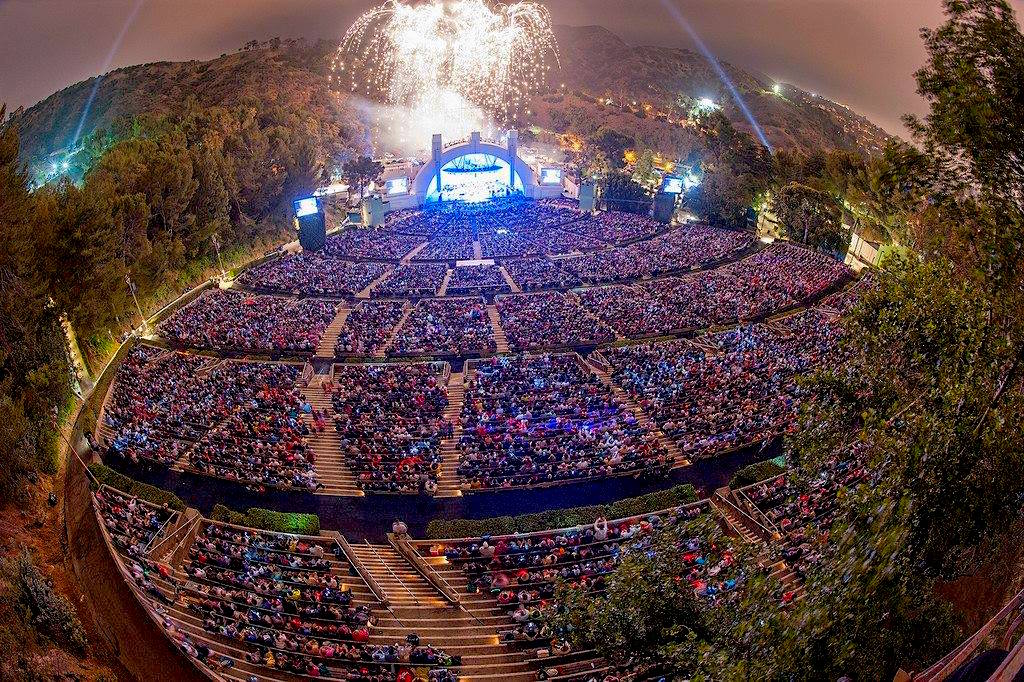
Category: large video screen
[307,206]
[398,186]
[672,185]
[550,176]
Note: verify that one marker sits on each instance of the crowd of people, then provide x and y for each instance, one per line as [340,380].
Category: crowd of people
[521,571]
[540,273]
[368,328]
[536,420]
[477,280]
[616,226]
[228,320]
[132,524]
[447,246]
[235,420]
[548,320]
[803,514]
[768,282]
[732,389]
[314,274]
[371,244]
[535,241]
[390,420]
[446,326]
[632,312]
[412,280]
[260,600]
[676,251]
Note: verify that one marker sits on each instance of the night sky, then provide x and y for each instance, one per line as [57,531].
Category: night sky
[858,52]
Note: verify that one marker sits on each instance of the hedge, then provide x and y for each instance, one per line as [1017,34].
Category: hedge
[561,518]
[758,471]
[150,493]
[267,519]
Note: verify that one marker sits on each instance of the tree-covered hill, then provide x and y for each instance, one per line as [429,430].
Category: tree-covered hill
[288,73]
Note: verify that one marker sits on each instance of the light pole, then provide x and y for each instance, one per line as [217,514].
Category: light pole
[216,246]
[131,288]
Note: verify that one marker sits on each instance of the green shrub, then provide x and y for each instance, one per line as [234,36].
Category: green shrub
[561,518]
[758,471]
[144,491]
[267,519]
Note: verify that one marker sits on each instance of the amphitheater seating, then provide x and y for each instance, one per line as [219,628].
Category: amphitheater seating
[313,274]
[802,516]
[228,320]
[679,250]
[548,320]
[254,604]
[391,421]
[520,571]
[229,419]
[531,421]
[446,326]
[768,282]
[477,280]
[413,280]
[540,273]
[371,244]
[737,387]
[368,328]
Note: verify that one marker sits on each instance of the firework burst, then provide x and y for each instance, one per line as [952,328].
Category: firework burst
[490,56]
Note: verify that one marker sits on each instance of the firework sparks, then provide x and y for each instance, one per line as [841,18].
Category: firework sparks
[449,61]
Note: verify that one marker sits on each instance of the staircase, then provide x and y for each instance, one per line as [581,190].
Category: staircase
[383,350]
[365,293]
[330,338]
[448,483]
[469,630]
[626,400]
[509,281]
[744,526]
[443,289]
[516,662]
[407,258]
[478,252]
[331,469]
[500,340]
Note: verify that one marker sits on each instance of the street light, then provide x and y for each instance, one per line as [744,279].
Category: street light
[131,288]
[216,246]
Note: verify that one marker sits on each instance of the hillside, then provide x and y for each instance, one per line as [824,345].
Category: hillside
[290,73]
[596,64]
[600,64]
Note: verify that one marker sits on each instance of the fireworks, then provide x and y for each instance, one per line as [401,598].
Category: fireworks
[449,60]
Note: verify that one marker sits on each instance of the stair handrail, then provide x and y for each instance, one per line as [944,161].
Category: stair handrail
[406,550]
[375,589]
[744,515]
[393,574]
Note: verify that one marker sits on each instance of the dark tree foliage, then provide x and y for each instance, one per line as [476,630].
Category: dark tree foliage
[34,377]
[623,193]
[361,171]
[811,216]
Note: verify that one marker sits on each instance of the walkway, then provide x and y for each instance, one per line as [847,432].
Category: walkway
[371,516]
[500,339]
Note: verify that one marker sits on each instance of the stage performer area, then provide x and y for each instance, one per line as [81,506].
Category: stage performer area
[476,170]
